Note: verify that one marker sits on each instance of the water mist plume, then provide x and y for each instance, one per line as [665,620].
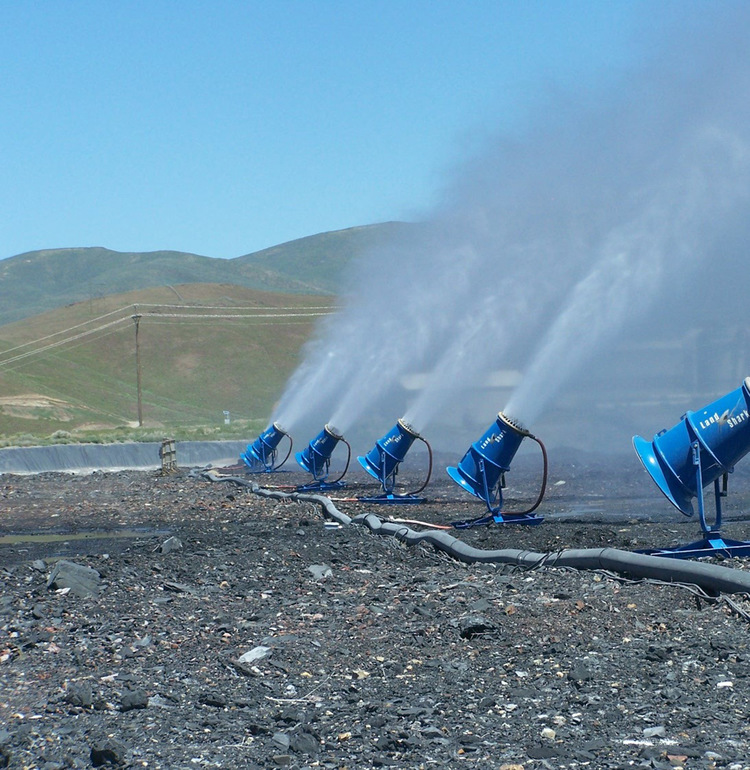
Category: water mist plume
[547,249]
[640,260]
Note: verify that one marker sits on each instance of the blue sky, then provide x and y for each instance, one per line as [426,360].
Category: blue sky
[221,128]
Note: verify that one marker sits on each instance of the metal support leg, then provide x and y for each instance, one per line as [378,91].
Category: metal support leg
[712,543]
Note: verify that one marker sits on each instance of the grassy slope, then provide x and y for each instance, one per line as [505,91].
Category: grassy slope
[38,281]
[192,369]
[318,261]
[42,280]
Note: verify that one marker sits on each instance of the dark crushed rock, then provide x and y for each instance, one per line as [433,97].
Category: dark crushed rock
[83,581]
[133,699]
[370,654]
[109,753]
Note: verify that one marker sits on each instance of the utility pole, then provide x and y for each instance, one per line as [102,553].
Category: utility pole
[137,320]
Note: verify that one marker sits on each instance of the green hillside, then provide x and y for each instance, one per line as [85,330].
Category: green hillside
[39,281]
[316,263]
[204,348]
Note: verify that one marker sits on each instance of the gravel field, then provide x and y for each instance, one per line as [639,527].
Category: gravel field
[204,625]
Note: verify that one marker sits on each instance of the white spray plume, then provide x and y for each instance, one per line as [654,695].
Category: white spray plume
[547,247]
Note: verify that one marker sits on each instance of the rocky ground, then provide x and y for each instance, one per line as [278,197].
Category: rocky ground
[217,628]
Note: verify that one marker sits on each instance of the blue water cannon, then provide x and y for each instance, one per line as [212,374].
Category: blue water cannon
[701,449]
[261,456]
[316,459]
[481,472]
[383,460]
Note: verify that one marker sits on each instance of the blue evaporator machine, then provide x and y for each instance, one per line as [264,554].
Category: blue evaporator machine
[383,460]
[701,449]
[316,459]
[482,469]
[261,456]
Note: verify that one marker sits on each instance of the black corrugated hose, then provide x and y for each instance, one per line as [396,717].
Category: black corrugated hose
[711,578]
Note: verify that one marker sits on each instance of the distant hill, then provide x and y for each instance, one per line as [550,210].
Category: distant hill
[38,281]
[315,263]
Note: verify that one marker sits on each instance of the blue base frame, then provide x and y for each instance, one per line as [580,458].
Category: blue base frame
[509,518]
[321,485]
[526,519]
[391,499]
[712,543]
[708,546]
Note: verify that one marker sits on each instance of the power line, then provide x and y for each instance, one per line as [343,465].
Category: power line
[237,307]
[61,342]
[73,345]
[64,331]
[227,315]
[199,315]
[229,324]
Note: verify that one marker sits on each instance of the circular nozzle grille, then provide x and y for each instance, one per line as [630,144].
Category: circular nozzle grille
[408,428]
[333,431]
[513,423]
